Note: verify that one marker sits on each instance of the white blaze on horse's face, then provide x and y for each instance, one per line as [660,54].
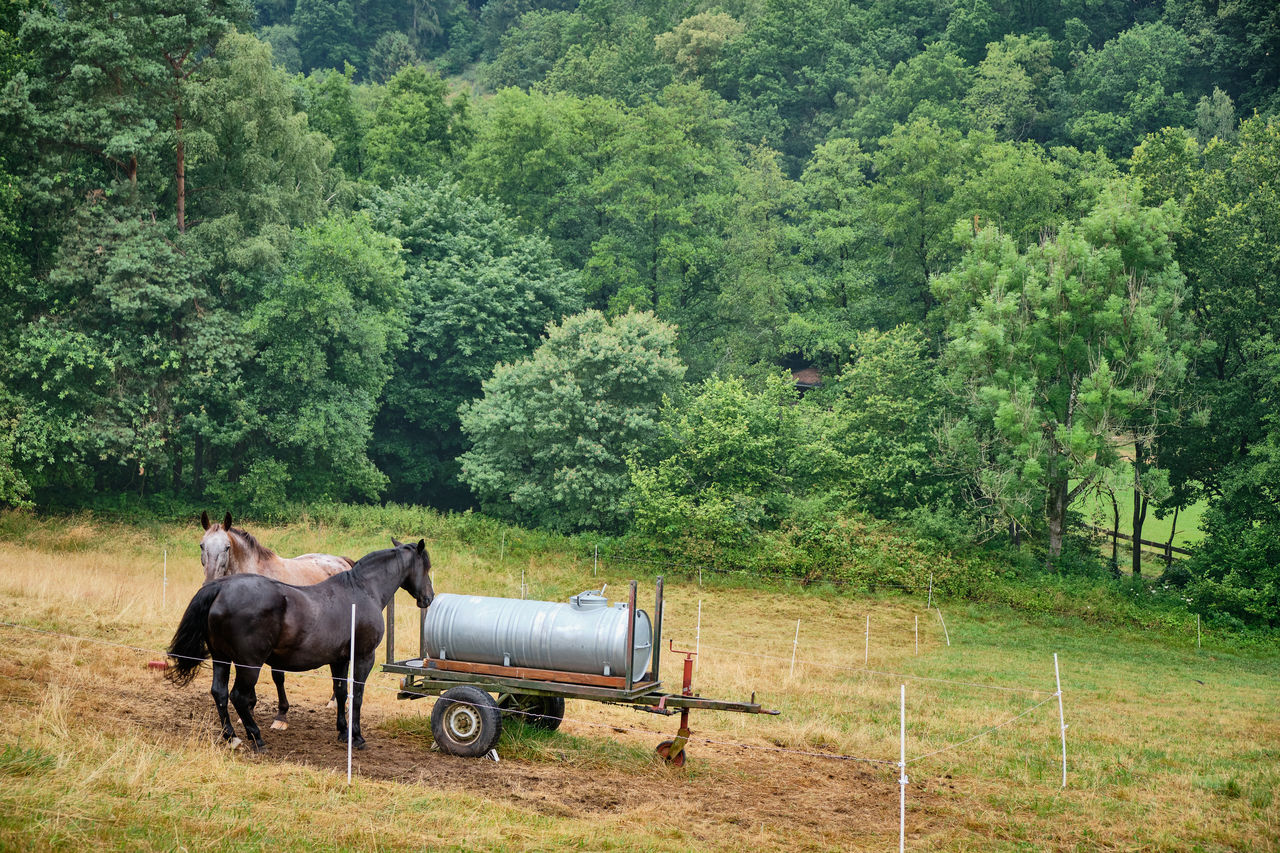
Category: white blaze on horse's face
[215,553]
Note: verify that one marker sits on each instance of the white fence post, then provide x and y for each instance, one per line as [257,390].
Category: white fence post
[917,633]
[866,652]
[944,625]
[902,767]
[164,587]
[1062,720]
[351,674]
[795,645]
[697,638]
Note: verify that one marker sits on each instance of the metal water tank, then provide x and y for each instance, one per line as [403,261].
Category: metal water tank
[585,635]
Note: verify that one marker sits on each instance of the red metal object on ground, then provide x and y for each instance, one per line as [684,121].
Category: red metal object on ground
[672,751]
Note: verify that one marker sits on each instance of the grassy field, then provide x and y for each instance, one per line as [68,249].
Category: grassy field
[1098,511]
[1169,747]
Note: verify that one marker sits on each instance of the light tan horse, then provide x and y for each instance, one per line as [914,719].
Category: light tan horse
[227,550]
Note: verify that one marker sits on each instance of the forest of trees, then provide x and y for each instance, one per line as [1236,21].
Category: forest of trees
[558,261]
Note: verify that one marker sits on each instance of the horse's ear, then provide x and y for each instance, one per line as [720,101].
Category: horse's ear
[204,519]
[226,522]
[396,542]
[422,546]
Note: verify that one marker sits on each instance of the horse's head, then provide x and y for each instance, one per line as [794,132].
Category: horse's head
[215,547]
[418,581]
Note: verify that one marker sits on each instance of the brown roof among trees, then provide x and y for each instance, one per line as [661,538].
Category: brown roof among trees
[809,377]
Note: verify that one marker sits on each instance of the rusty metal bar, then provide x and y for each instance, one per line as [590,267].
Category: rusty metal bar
[430,681]
[526,672]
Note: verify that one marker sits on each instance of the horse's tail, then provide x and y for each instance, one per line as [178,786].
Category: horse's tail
[190,644]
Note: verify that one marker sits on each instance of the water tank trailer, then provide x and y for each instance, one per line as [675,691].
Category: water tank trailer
[489,657]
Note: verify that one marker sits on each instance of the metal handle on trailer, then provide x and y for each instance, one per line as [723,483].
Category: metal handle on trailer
[657,631]
[391,629]
[629,678]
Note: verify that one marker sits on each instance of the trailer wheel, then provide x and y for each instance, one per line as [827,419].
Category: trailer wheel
[541,712]
[465,721]
[664,750]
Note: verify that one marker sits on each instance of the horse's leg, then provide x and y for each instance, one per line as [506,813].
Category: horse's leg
[244,697]
[339,669]
[364,666]
[282,706]
[221,676]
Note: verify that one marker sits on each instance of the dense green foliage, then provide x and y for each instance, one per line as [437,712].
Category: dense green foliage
[1057,354]
[471,254]
[552,434]
[724,465]
[480,293]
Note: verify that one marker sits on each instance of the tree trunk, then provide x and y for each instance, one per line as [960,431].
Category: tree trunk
[1115,534]
[181,174]
[1139,506]
[1168,548]
[1057,515]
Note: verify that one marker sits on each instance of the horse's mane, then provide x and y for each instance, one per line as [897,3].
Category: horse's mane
[262,552]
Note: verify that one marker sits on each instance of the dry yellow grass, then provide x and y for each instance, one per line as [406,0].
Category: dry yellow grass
[1167,750]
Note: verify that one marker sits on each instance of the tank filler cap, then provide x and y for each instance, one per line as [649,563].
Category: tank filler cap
[590,599]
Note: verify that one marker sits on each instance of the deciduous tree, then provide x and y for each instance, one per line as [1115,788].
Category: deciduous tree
[417,128]
[1056,351]
[478,293]
[552,435]
[722,468]
[325,335]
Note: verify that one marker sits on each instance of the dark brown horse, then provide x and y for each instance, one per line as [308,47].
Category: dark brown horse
[250,620]
[227,550]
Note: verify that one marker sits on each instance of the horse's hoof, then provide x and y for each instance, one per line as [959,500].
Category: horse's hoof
[279,725]
[333,703]
[360,744]
[234,743]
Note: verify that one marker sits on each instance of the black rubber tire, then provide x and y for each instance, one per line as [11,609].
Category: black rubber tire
[541,712]
[466,722]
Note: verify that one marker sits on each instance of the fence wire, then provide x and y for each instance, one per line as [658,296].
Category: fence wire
[630,729]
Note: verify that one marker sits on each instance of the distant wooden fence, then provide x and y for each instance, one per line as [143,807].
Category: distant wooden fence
[1164,548]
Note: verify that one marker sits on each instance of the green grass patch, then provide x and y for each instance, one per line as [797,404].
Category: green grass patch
[17,760]
[1098,511]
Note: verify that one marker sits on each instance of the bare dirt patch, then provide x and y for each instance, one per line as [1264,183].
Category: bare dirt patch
[818,803]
